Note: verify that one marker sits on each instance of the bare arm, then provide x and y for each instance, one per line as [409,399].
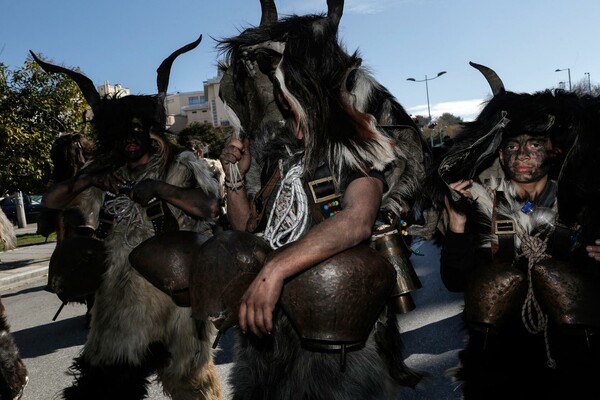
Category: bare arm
[193,201]
[348,228]
[456,220]
[63,193]
[238,206]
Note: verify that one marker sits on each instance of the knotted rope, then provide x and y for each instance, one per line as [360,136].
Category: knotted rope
[534,249]
[289,216]
[122,207]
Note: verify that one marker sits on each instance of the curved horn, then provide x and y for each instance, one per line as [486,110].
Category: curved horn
[492,78]
[85,84]
[269,12]
[163,72]
[335,8]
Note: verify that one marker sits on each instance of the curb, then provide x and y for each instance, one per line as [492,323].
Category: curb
[24,275]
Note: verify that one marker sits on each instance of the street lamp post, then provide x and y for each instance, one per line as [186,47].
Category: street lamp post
[569,71]
[426,80]
[589,82]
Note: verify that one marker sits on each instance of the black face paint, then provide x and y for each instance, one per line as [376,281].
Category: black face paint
[137,142]
[526,158]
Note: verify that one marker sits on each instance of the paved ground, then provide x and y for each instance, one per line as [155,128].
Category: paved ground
[26,262]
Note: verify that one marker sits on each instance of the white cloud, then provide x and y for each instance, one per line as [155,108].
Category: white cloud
[465,109]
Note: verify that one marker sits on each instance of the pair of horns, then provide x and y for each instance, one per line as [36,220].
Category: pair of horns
[89,90]
[335,8]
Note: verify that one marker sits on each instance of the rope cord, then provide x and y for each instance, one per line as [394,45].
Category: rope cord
[288,219]
[534,319]
[123,207]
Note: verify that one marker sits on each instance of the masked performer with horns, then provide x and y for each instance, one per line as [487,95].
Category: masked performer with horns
[326,155]
[139,185]
[521,243]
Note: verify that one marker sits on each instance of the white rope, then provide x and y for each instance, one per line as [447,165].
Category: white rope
[289,216]
[534,319]
[123,207]
[234,172]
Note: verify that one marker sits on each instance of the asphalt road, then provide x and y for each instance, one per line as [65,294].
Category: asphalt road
[431,333]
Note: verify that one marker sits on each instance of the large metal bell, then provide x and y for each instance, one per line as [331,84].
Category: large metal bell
[76,267]
[494,295]
[165,261]
[337,302]
[222,269]
[569,295]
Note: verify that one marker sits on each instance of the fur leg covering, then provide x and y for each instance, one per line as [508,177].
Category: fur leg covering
[13,374]
[117,381]
[200,380]
[277,367]
[130,314]
[515,366]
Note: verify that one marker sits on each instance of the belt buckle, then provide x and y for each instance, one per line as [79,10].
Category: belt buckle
[154,211]
[504,227]
[320,181]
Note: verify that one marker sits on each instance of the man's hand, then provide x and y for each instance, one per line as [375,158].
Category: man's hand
[144,191]
[457,220]
[258,302]
[594,250]
[234,152]
[110,182]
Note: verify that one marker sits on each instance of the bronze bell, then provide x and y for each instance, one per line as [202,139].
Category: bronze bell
[222,270]
[392,247]
[76,267]
[569,295]
[165,261]
[494,295]
[335,304]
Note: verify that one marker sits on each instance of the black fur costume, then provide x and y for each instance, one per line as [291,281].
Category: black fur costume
[505,360]
[136,329]
[292,75]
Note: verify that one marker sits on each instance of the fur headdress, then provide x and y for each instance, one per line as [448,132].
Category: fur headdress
[113,115]
[290,79]
[555,114]
[295,70]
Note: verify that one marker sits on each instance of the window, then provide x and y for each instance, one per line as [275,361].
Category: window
[193,100]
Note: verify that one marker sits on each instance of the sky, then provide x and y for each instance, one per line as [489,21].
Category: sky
[124,41]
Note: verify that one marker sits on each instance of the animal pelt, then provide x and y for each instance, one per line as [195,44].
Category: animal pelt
[278,367]
[558,115]
[304,83]
[8,235]
[130,314]
[302,99]
[13,373]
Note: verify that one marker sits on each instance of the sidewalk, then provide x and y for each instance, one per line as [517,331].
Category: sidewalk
[26,262]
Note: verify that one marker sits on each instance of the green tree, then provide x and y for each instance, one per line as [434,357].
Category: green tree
[34,108]
[204,135]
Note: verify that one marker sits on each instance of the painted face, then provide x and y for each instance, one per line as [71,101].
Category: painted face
[136,142]
[526,158]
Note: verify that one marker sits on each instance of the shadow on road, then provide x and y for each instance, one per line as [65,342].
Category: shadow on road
[46,339]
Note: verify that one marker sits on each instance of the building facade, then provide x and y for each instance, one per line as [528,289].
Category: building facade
[185,108]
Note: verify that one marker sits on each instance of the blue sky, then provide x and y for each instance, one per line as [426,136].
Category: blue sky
[124,41]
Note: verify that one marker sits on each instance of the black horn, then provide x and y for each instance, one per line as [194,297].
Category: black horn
[85,84]
[335,8]
[269,12]
[492,78]
[163,72]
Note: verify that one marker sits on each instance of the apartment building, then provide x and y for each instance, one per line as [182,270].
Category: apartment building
[184,108]
[117,90]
